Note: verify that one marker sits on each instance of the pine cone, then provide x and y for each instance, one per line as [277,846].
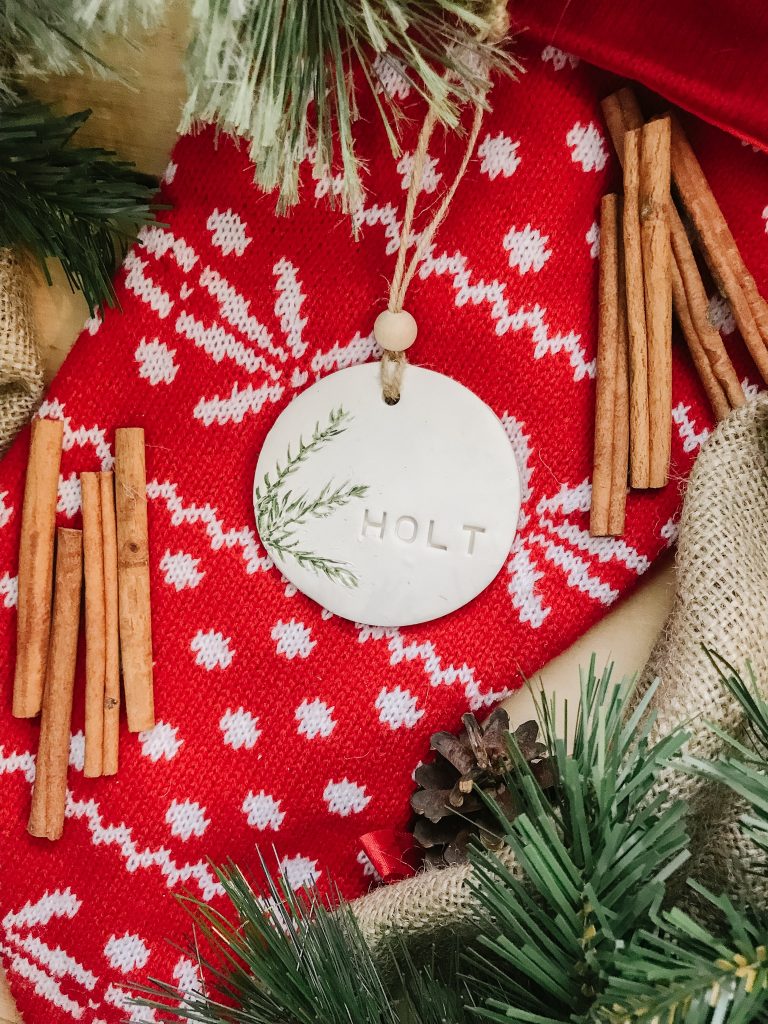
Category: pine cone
[451,813]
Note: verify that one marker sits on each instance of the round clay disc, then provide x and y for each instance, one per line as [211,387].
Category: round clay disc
[387,515]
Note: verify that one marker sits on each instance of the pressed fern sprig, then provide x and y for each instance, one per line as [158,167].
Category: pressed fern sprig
[81,206]
[280,513]
[282,74]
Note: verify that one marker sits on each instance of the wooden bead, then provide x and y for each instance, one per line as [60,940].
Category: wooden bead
[395,332]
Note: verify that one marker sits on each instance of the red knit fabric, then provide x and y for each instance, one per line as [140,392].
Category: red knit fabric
[277,725]
[683,50]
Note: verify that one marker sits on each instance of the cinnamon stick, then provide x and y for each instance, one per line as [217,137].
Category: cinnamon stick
[656,252]
[691,307]
[639,426]
[689,297]
[133,577]
[112,639]
[607,354]
[95,625]
[38,523]
[49,796]
[622,114]
[719,249]
[618,506]
[712,388]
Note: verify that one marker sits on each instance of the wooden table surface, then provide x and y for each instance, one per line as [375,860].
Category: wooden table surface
[138,118]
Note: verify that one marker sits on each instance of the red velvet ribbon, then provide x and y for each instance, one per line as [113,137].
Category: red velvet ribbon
[394,854]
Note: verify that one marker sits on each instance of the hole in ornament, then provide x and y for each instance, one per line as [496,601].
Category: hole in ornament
[391,401]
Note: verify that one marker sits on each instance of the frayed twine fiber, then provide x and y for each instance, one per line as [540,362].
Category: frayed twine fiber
[21,375]
[721,601]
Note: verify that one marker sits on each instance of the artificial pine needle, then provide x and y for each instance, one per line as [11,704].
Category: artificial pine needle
[82,206]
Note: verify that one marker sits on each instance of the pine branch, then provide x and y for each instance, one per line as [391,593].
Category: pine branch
[287,82]
[39,38]
[688,974]
[285,957]
[594,863]
[81,206]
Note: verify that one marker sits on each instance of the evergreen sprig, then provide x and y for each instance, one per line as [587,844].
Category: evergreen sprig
[285,956]
[687,974]
[82,206]
[54,37]
[594,862]
[286,75]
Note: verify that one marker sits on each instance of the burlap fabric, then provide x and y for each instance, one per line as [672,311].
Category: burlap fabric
[721,601]
[21,377]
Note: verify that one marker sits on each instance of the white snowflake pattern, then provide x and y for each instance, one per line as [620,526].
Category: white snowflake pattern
[126,953]
[263,811]
[750,390]
[369,871]
[499,156]
[587,146]
[70,497]
[669,531]
[6,510]
[186,818]
[93,324]
[691,436]
[315,718]
[9,590]
[555,531]
[391,77]
[180,570]
[186,974]
[527,249]
[345,798]
[240,728]
[162,741]
[592,239]
[155,361]
[77,750]
[212,649]
[719,314]
[228,232]
[559,59]
[398,708]
[293,639]
[430,176]
[299,871]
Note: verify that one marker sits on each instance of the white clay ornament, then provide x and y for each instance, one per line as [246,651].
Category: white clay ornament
[387,492]
[387,515]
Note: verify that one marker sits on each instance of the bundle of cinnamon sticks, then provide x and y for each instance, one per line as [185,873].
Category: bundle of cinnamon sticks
[111,554]
[647,270]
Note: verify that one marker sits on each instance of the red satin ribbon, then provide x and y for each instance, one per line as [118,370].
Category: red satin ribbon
[394,855]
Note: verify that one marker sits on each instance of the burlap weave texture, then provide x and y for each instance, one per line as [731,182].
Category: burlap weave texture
[21,377]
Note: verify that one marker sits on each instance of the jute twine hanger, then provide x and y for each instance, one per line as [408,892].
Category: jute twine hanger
[395,329]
